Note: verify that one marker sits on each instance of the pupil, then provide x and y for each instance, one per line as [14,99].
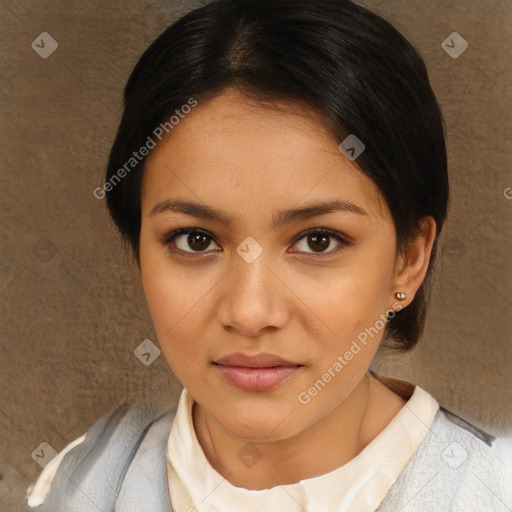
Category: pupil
[192,239]
[316,238]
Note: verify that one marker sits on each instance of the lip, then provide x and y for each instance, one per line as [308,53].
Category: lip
[261,360]
[257,379]
[259,372]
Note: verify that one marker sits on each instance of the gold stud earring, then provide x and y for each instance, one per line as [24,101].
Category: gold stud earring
[400,295]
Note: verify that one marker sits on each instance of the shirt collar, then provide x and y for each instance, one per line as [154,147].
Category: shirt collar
[360,484]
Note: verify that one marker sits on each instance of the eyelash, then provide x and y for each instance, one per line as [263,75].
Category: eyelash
[168,240]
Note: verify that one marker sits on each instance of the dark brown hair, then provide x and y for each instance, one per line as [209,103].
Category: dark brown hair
[341,61]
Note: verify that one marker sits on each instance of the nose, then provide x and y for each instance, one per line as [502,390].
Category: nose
[254,298]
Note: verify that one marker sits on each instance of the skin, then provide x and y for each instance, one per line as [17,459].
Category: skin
[296,300]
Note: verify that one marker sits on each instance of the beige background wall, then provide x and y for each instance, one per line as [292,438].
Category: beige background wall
[73,310]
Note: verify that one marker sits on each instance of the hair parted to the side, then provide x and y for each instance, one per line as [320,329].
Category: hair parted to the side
[342,62]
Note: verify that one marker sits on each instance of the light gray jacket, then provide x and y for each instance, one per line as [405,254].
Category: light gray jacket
[121,467]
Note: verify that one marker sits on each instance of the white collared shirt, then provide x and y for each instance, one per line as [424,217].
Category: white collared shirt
[361,484]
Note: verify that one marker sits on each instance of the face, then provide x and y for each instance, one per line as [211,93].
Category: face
[312,288]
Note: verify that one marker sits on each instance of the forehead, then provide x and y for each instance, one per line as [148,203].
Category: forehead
[230,145]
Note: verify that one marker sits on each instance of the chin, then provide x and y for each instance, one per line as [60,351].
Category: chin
[259,428]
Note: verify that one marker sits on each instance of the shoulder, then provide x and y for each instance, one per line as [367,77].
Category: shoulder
[96,463]
[457,467]
[453,423]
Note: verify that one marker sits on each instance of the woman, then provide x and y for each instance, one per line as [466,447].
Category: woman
[280,174]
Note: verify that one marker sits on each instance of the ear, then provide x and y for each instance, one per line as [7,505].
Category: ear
[411,266]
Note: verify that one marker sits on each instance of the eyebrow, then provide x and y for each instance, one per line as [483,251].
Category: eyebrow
[283,216]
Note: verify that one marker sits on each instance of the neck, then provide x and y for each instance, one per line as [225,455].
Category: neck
[357,420]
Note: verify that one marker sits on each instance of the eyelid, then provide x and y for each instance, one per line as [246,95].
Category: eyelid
[344,240]
[324,231]
[168,239]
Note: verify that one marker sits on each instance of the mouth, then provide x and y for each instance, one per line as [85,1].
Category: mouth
[257,379]
[260,372]
[261,360]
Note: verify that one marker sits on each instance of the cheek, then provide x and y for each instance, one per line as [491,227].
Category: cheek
[175,303]
[174,310]
[345,300]
[346,315]
[167,291]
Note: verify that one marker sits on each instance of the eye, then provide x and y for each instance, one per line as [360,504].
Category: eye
[196,239]
[319,239]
